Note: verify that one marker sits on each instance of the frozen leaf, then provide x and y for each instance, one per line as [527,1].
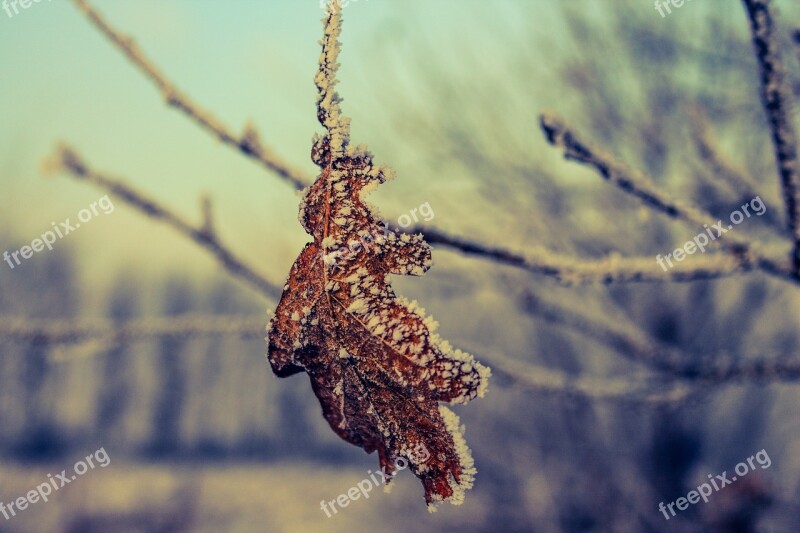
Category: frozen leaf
[375,361]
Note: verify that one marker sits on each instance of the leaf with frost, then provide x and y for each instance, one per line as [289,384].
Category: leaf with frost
[375,361]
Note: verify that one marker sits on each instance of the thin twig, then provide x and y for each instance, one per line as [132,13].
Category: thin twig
[631,181]
[636,346]
[629,342]
[739,182]
[542,380]
[247,143]
[57,333]
[613,269]
[637,184]
[66,332]
[67,159]
[776,98]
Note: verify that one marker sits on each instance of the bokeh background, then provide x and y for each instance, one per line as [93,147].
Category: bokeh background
[203,437]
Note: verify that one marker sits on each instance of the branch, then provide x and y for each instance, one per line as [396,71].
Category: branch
[542,380]
[60,333]
[248,143]
[738,181]
[777,101]
[67,159]
[635,183]
[708,148]
[638,347]
[63,332]
[632,182]
[629,342]
[573,270]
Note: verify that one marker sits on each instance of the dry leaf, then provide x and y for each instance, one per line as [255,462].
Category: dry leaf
[374,359]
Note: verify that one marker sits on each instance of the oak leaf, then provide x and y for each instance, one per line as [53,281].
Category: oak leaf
[375,362]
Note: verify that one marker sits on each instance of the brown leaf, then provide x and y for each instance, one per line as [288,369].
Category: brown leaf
[376,364]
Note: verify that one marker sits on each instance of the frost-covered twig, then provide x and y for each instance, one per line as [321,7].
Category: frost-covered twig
[635,345]
[542,380]
[637,184]
[631,181]
[710,152]
[613,269]
[67,159]
[625,339]
[66,332]
[776,98]
[248,143]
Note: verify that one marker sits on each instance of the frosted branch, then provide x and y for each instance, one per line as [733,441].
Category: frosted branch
[613,269]
[66,332]
[246,143]
[776,97]
[67,159]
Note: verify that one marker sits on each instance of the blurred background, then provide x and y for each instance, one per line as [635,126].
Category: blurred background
[203,437]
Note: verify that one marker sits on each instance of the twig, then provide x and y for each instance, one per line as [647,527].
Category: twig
[707,145]
[613,269]
[637,346]
[60,332]
[629,342]
[248,143]
[635,183]
[739,182]
[631,181]
[776,98]
[542,380]
[67,159]
[538,379]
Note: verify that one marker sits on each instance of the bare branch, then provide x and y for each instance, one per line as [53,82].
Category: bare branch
[631,181]
[629,342]
[707,145]
[247,143]
[67,159]
[776,98]
[61,332]
[637,184]
[542,380]
[613,269]
[107,334]
[635,345]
